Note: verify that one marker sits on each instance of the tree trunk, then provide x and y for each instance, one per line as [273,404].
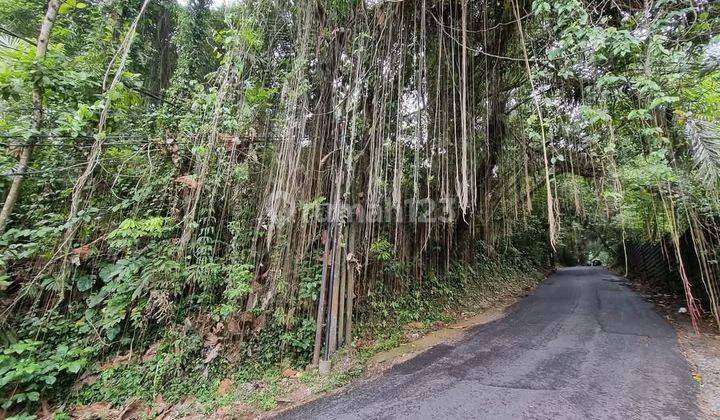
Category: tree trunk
[37,117]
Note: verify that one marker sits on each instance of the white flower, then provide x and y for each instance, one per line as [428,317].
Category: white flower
[373,3]
[712,54]
[640,33]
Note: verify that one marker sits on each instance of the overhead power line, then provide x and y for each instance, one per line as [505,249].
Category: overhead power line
[146,139]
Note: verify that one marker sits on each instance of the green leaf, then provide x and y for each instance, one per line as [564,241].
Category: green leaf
[663,100]
[639,114]
[75,366]
[4,283]
[85,282]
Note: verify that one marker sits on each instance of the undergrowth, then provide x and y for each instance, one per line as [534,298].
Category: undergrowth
[179,362]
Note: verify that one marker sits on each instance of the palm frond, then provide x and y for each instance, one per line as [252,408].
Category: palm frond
[8,42]
[704,139]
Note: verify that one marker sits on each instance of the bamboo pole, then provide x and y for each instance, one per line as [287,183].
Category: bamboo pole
[342,267]
[334,301]
[320,318]
[351,284]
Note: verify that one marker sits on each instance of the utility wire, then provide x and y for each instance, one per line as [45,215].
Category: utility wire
[76,145]
[15,172]
[117,143]
[154,96]
[144,139]
[127,135]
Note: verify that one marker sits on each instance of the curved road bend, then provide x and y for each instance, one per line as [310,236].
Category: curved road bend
[582,346]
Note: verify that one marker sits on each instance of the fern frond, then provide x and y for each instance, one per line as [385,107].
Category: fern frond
[704,139]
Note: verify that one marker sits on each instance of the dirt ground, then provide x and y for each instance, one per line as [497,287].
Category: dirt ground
[445,334]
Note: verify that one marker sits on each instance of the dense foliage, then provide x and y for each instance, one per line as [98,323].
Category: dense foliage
[220,187]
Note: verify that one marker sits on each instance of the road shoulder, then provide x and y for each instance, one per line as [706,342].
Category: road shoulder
[417,339]
[701,348]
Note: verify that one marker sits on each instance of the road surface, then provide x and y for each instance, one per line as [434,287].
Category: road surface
[582,346]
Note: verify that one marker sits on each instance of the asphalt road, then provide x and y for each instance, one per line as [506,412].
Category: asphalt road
[582,346]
